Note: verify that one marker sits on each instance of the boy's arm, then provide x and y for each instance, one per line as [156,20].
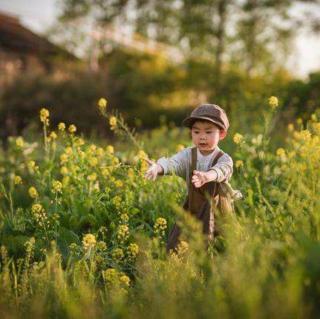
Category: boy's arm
[176,164]
[220,172]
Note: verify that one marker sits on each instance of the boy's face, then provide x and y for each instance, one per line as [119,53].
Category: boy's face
[206,136]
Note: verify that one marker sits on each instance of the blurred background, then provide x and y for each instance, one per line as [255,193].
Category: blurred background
[154,61]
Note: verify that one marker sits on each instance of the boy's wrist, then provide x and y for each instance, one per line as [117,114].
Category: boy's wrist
[211,176]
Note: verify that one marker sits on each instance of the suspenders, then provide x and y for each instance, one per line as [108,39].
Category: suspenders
[193,167]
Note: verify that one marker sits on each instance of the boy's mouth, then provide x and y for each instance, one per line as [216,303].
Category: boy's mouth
[203,144]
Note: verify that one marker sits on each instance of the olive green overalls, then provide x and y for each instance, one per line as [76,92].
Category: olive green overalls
[203,209]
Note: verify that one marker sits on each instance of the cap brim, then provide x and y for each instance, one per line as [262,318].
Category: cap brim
[188,122]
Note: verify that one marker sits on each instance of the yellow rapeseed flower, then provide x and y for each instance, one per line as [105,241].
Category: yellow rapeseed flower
[124,217]
[160,226]
[88,241]
[142,154]
[63,158]
[125,280]
[44,115]
[117,254]
[100,151]
[93,161]
[105,172]
[92,177]
[113,122]
[239,164]
[61,126]
[36,208]
[133,250]
[290,127]
[273,102]
[281,152]
[118,183]
[123,232]
[72,128]
[237,138]
[64,170]
[110,275]
[33,192]
[68,150]
[17,180]
[102,103]
[180,147]
[56,186]
[53,135]
[110,149]
[20,141]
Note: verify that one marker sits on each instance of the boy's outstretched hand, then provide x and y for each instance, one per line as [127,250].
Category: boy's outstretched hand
[153,170]
[199,178]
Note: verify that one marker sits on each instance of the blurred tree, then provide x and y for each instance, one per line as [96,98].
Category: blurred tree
[253,34]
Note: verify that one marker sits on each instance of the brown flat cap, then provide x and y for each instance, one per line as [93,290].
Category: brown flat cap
[209,112]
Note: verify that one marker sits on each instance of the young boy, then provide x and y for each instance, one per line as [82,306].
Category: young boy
[203,167]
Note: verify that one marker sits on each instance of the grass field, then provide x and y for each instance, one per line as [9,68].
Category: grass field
[83,233]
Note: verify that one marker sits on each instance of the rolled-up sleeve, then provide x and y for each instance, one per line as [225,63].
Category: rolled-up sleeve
[176,164]
[223,168]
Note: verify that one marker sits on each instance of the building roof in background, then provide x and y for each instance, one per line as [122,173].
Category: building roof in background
[17,38]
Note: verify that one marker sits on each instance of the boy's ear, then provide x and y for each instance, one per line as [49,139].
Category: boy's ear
[223,134]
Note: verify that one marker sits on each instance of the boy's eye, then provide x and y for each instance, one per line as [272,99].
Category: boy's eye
[209,132]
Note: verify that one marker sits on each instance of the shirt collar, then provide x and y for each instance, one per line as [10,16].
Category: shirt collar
[211,155]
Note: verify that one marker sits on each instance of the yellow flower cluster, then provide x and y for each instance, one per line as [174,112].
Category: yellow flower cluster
[102,104]
[180,147]
[56,187]
[92,177]
[40,215]
[53,135]
[113,277]
[133,250]
[33,193]
[110,149]
[125,280]
[124,217]
[116,201]
[160,226]
[44,116]
[101,245]
[273,102]
[72,128]
[20,142]
[64,170]
[117,254]
[113,122]
[142,155]
[239,163]
[93,161]
[237,138]
[17,180]
[88,241]
[281,152]
[122,233]
[61,126]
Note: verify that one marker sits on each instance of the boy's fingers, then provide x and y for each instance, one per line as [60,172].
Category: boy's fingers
[150,162]
[197,173]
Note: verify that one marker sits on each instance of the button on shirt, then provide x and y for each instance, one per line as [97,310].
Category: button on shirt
[180,163]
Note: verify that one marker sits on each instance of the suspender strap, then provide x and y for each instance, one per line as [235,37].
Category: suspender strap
[194,166]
